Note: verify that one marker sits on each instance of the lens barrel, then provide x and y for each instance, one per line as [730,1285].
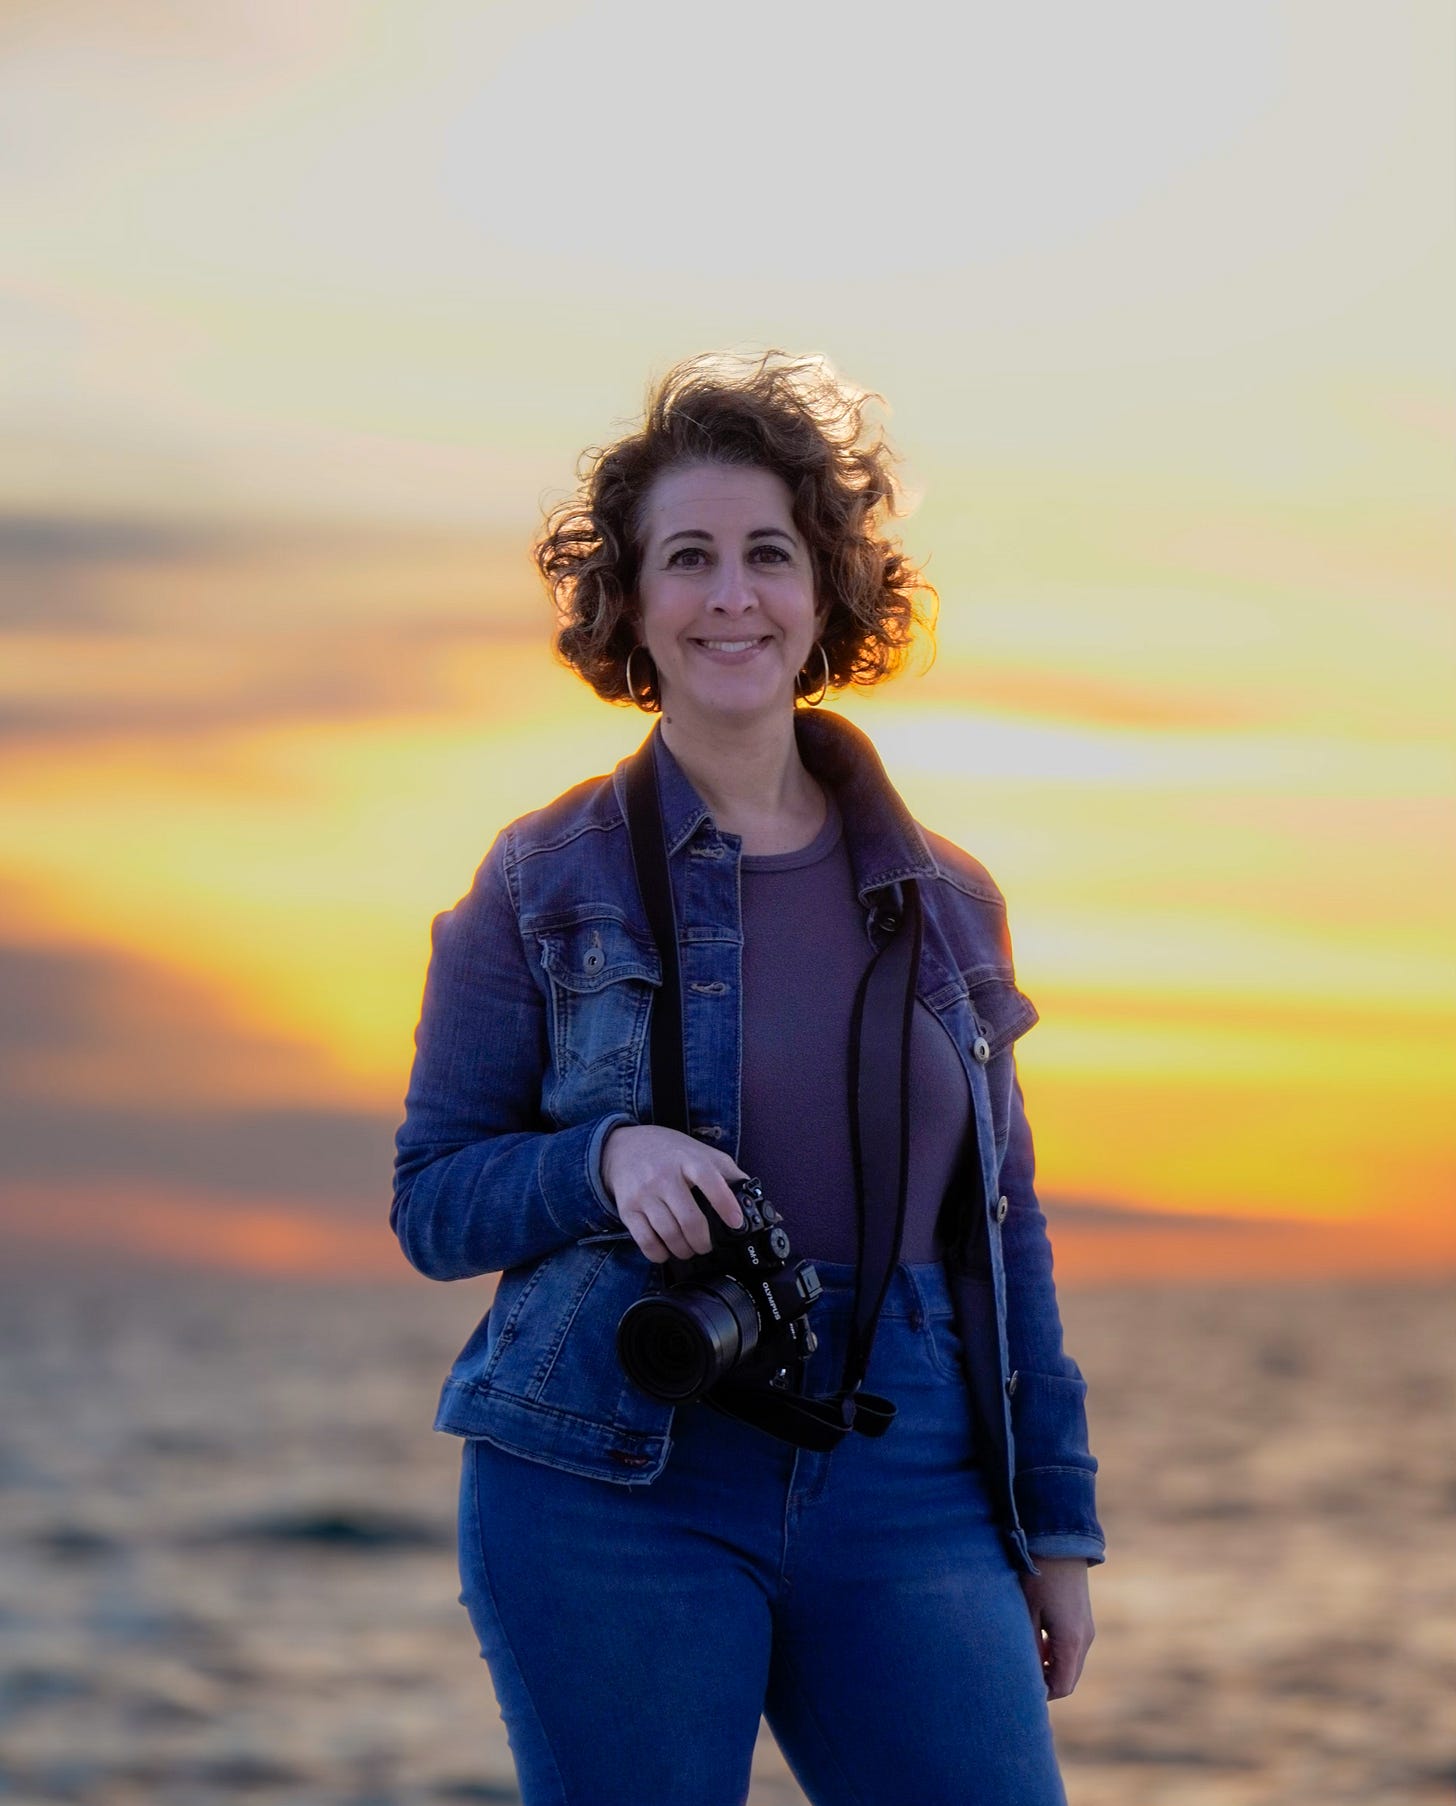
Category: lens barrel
[679,1345]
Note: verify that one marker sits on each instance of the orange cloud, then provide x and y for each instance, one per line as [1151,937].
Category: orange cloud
[1225,1252]
[1074,696]
[288,1238]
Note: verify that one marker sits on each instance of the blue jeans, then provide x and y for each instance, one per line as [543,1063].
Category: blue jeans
[861,1600]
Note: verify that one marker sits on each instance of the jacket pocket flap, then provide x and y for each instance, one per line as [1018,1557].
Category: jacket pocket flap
[1002,1012]
[588,956]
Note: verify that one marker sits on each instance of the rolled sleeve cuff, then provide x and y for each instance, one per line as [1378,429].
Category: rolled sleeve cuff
[570,1176]
[1056,1506]
[1059,1548]
[610,1219]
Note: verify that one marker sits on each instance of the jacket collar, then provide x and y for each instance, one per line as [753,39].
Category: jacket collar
[885,844]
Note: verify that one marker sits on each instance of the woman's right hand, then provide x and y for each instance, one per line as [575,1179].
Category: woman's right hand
[646,1172]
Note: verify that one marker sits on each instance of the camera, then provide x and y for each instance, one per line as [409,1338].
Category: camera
[739,1310]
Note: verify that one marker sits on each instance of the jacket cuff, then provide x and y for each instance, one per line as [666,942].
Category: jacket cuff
[569,1176]
[1057,1548]
[1056,1506]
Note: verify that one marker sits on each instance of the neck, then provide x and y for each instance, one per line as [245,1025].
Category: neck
[750,774]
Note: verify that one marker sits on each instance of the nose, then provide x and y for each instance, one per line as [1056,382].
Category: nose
[732,592]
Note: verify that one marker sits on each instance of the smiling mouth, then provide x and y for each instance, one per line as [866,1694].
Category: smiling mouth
[732,645]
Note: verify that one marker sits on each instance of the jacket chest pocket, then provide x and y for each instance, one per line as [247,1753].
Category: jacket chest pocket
[602,981]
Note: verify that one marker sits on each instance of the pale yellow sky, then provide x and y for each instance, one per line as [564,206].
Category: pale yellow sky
[322,259]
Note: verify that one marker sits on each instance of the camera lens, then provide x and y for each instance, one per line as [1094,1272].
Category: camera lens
[677,1346]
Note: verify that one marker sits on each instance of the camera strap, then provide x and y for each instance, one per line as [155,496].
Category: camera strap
[654,881]
[879,1120]
[879,1127]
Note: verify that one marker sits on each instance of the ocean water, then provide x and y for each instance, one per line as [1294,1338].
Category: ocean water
[227,1564]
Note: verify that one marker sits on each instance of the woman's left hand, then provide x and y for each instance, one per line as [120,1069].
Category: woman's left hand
[1061,1608]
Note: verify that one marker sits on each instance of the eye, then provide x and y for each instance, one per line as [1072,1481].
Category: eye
[779,553]
[687,552]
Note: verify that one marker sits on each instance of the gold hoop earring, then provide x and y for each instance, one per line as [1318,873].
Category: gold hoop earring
[813,702]
[649,707]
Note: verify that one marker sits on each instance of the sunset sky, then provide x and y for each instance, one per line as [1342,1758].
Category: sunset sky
[306,315]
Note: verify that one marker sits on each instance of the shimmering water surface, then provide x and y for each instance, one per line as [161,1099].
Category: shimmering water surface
[228,1567]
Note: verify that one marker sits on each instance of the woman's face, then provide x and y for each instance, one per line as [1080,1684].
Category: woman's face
[726,592]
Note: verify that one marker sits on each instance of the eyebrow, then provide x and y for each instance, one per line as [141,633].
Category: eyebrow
[755,533]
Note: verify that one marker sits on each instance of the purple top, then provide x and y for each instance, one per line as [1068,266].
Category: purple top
[804,952]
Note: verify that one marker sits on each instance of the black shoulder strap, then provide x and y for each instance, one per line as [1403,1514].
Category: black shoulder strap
[649,857]
[879,1119]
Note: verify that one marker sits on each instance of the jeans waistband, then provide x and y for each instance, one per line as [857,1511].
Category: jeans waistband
[917,1289]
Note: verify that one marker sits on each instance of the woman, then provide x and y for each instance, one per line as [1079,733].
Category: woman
[645,1580]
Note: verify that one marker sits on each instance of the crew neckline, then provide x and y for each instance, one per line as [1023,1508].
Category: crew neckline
[823,843]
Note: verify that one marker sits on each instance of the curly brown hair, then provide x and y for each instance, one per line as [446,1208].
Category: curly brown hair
[791,415]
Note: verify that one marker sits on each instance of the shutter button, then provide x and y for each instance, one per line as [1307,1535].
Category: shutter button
[981,1049]
[1001,1208]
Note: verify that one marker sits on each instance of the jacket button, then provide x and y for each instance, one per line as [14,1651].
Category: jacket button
[594,959]
[1001,1208]
[1011,1386]
[981,1049]
[889,921]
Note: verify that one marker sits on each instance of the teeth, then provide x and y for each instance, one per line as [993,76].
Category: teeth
[727,645]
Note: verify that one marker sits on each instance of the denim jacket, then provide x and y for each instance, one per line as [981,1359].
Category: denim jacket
[532,1046]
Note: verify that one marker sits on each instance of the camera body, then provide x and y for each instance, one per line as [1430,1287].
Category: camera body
[737,1313]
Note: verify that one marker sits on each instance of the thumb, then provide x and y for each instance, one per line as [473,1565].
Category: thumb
[1063,1663]
[1041,1637]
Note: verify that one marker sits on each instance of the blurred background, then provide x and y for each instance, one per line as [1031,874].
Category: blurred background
[306,316]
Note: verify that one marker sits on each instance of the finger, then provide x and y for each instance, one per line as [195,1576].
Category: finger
[673,1221]
[713,1163]
[645,1236]
[1063,1667]
[718,1194]
[690,1219]
[1044,1655]
[650,1245]
[1041,1636]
